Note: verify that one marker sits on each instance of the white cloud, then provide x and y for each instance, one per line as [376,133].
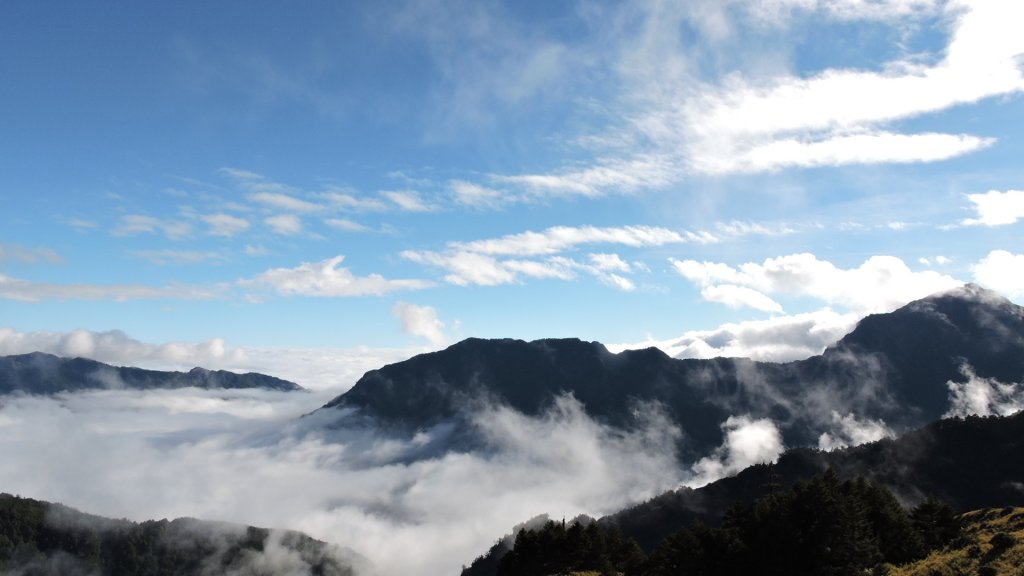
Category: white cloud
[983,396]
[609,263]
[747,442]
[475,195]
[619,282]
[346,225]
[420,321]
[285,202]
[778,339]
[179,256]
[29,291]
[849,431]
[846,9]
[808,121]
[466,268]
[284,224]
[995,208]
[14,252]
[739,297]
[472,268]
[1001,271]
[225,224]
[880,284]
[132,224]
[560,238]
[676,116]
[251,250]
[407,200]
[867,148]
[328,279]
[349,201]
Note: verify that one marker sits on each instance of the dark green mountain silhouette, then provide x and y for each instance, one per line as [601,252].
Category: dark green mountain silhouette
[39,373]
[971,463]
[40,538]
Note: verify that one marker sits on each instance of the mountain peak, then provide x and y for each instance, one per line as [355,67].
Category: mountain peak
[895,367]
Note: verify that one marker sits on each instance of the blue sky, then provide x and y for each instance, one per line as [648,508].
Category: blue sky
[239,184]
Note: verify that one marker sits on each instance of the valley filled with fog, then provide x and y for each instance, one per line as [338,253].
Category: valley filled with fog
[242,456]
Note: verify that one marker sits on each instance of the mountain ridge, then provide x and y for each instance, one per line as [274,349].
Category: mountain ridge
[894,367]
[42,373]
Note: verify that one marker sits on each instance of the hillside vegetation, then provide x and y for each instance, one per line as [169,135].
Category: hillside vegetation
[992,544]
[824,526]
[41,539]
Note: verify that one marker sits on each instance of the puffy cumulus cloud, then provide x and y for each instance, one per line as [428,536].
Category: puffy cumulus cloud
[778,339]
[224,224]
[880,284]
[747,442]
[849,431]
[420,321]
[995,208]
[30,291]
[16,253]
[328,279]
[1001,271]
[284,224]
[983,396]
[391,499]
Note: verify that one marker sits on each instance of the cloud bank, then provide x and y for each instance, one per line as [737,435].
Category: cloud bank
[241,456]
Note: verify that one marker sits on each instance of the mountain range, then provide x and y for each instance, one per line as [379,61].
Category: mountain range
[901,368]
[40,373]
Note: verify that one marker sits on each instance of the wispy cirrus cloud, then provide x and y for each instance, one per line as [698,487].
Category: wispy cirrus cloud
[673,119]
[31,291]
[222,224]
[26,255]
[180,256]
[543,254]
[134,224]
[560,238]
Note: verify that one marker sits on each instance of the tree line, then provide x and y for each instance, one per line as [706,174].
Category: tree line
[823,526]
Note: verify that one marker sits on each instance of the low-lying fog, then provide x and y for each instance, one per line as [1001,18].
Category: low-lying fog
[245,456]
